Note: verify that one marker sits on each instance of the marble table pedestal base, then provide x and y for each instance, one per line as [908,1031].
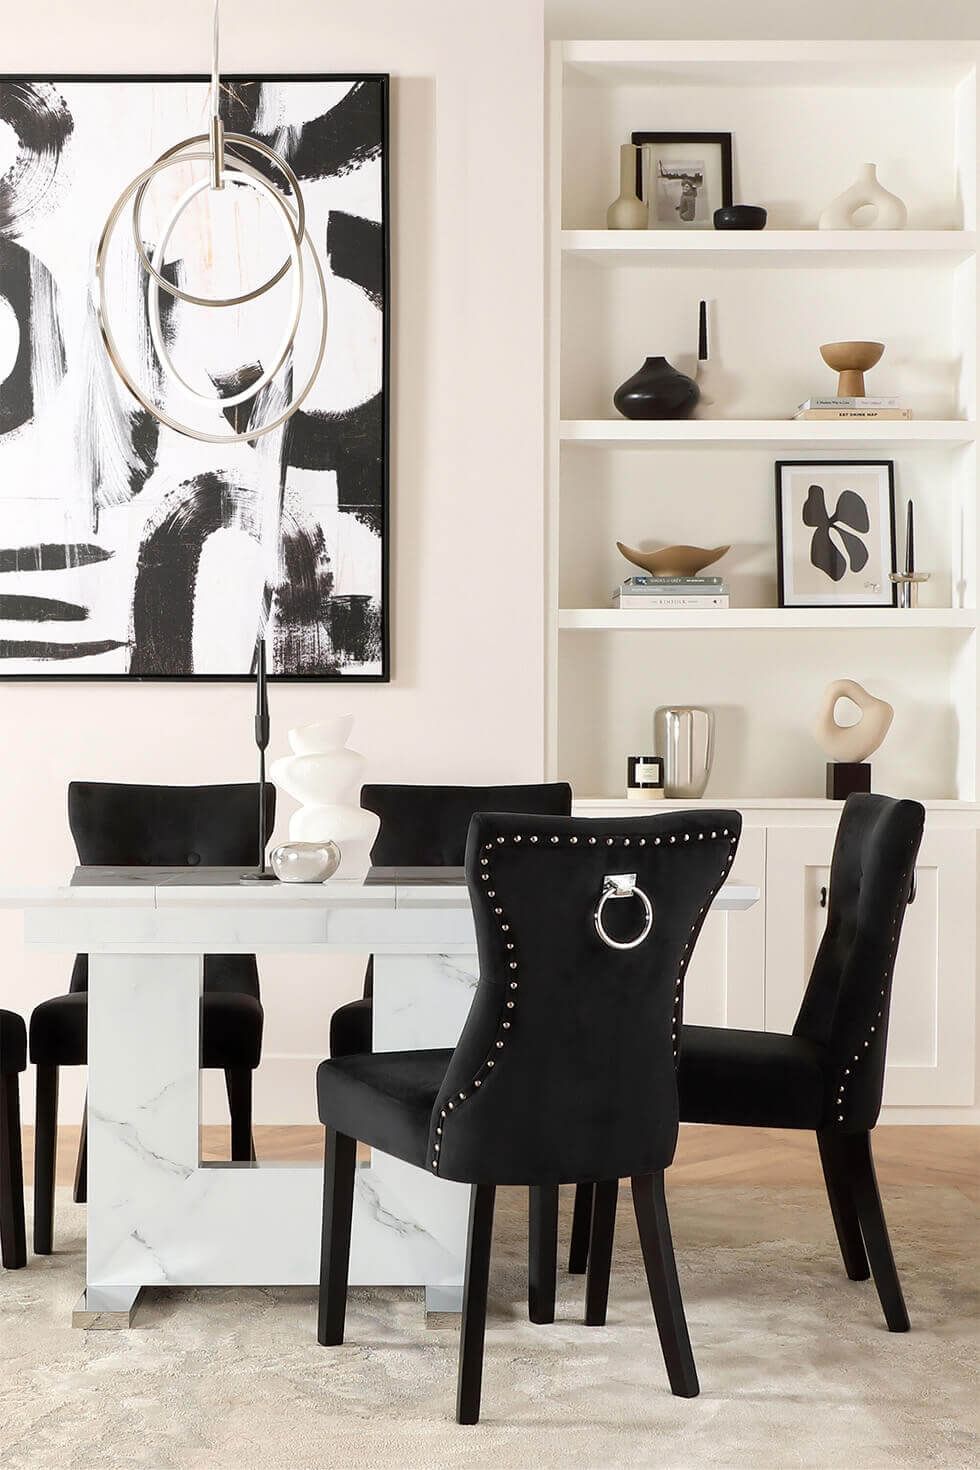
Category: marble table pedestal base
[158,1216]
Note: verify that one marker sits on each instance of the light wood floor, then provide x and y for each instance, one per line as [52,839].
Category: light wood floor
[947,1157]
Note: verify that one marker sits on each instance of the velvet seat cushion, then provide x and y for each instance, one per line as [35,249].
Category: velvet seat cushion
[384,1099]
[351,1028]
[231,1030]
[753,1079]
[13,1043]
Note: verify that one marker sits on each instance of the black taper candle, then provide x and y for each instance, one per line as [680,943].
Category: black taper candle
[909,541]
[262,741]
[703,332]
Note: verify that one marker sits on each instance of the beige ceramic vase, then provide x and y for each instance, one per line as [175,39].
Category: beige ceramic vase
[628,212]
[890,213]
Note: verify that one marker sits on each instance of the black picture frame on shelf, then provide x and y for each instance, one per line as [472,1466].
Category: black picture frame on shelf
[688,198]
[835,533]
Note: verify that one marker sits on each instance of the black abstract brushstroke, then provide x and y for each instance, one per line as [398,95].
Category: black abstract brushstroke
[48,359]
[40,610]
[355,628]
[167,568]
[349,443]
[338,142]
[236,381]
[51,556]
[302,639]
[172,271]
[239,106]
[46,652]
[43,124]
[355,247]
[145,439]
[19,270]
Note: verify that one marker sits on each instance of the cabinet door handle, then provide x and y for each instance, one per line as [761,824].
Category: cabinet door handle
[912,888]
[823,897]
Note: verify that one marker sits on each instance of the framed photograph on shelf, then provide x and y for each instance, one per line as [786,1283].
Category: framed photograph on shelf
[683,177]
[835,533]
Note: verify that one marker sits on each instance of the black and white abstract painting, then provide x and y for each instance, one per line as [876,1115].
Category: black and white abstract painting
[128,550]
[835,524]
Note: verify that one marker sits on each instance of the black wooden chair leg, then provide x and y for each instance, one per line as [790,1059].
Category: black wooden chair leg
[81,1161]
[13,1236]
[842,1207]
[542,1252]
[339,1162]
[606,1195]
[578,1251]
[864,1186]
[469,1381]
[238,1084]
[45,1153]
[653,1223]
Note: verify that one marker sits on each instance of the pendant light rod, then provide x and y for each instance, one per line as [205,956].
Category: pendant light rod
[217,127]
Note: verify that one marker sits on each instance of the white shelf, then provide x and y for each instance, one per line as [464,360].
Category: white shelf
[768,247]
[780,619]
[865,64]
[793,432]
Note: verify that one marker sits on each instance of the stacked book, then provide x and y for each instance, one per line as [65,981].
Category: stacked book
[678,594]
[852,408]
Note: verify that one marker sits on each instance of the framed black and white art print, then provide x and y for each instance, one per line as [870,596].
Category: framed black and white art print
[835,530]
[127,550]
[684,178]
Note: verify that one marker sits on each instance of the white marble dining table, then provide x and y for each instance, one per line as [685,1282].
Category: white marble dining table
[157,1214]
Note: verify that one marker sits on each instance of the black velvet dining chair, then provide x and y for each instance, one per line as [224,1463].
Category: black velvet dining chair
[565,1070]
[117,825]
[426,827]
[13,1061]
[827,1076]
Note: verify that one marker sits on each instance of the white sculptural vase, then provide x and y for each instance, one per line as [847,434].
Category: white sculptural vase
[325,778]
[890,212]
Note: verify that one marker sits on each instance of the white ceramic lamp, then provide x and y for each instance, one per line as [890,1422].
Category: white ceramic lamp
[325,778]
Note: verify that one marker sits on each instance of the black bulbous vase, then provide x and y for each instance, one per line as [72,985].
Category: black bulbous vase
[657,391]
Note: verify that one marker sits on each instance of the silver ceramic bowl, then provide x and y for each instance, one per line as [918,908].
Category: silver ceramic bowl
[305,862]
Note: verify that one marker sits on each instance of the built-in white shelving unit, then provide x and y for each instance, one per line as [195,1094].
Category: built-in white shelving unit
[804,117]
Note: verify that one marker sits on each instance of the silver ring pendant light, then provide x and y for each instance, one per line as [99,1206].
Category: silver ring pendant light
[211,148]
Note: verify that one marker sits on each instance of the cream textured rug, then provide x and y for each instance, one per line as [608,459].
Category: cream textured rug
[795,1364]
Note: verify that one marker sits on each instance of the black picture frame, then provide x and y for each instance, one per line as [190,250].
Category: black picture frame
[383,81]
[723,141]
[889,599]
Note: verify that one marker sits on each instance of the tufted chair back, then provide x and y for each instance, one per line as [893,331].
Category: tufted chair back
[565,1070]
[845,1008]
[426,826]
[122,826]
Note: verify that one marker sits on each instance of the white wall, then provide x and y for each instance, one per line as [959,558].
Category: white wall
[466,699]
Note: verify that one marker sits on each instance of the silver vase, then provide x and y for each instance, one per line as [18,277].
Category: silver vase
[685,737]
[305,862]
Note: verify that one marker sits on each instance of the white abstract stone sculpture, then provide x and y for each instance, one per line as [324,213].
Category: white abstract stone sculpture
[890,212]
[325,778]
[852,742]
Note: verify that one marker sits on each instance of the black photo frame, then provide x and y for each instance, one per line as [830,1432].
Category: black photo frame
[721,141]
[373,276]
[819,539]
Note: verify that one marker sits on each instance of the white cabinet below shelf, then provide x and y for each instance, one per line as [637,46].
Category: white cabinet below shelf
[931,1038]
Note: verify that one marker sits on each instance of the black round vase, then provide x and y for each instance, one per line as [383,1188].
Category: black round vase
[657,391]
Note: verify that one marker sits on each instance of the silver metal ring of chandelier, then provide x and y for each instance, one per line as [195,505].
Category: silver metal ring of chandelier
[176,155]
[243,174]
[112,347]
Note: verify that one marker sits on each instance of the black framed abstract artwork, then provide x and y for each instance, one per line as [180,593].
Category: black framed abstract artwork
[127,550]
[835,532]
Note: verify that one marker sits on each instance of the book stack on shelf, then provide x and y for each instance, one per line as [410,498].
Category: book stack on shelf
[825,409]
[678,594]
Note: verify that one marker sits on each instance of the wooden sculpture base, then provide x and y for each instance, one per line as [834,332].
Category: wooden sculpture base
[846,777]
